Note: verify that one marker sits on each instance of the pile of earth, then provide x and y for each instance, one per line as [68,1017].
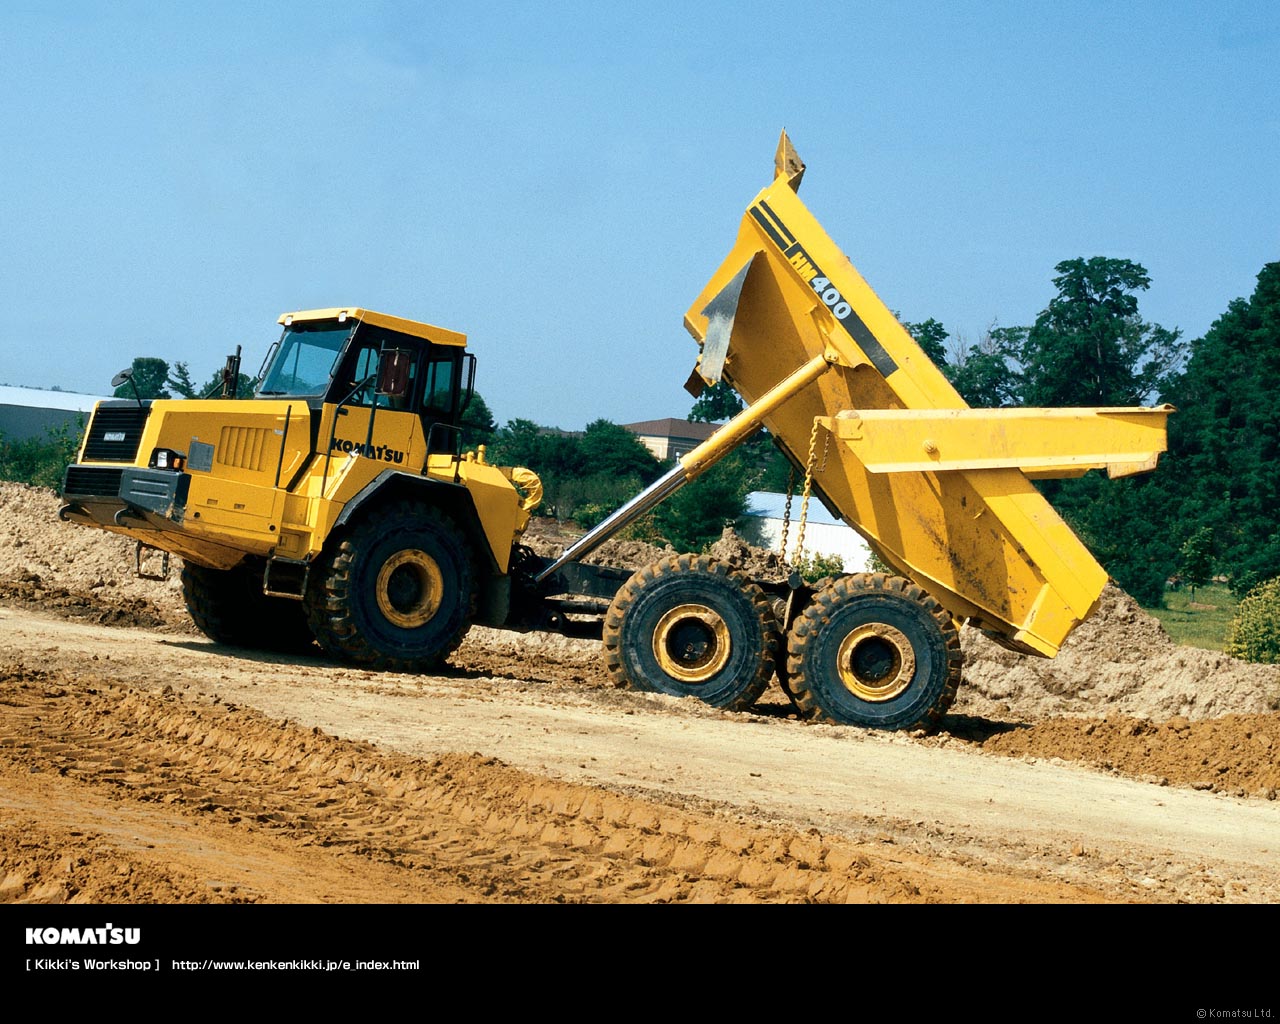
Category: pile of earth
[1120,662]
[77,571]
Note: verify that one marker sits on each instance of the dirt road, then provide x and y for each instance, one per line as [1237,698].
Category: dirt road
[146,765]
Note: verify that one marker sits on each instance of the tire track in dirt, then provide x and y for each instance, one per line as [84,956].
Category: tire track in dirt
[477,830]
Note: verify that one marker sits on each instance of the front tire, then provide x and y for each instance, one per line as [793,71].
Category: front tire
[690,626]
[229,607]
[397,592]
[875,651]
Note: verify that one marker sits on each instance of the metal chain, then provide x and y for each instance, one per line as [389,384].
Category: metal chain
[786,509]
[808,489]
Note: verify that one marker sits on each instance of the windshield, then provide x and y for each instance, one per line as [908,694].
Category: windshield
[305,360]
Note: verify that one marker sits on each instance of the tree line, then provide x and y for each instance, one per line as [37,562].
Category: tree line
[1209,510]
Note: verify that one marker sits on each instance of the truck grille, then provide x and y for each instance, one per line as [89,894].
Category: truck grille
[91,481]
[115,432]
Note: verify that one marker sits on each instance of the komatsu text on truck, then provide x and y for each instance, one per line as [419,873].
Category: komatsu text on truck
[337,505]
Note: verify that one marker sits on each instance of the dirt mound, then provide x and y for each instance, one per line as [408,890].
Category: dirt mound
[548,538]
[758,563]
[1119,661]
[77,571]
[1234,754]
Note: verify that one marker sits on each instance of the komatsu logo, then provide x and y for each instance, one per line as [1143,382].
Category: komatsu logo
[378,452]
[104,936]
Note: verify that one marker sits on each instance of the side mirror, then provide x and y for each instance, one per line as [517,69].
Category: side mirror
[393,372]
[126,377]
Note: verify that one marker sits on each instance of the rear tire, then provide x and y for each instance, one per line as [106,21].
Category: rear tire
[690,626]
[229,607]
[397,592]
[875,651]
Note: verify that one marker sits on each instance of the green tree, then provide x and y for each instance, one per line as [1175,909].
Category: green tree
[988,374]
[932,337]
[1195,562]
[717,403]
[614,451]
[518,443]
[180,381]
[1090,347]
[695,516]
[213,386]
[584,477]
[477,423]
[150,374]
[1223,466]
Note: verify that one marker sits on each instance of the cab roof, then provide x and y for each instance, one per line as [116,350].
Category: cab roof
[437,335]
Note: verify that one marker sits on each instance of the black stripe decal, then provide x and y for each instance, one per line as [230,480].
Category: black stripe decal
[861,333]
[777,220]
[773,226]
[768,228]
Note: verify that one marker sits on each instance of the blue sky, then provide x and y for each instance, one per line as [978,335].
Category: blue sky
[558,180]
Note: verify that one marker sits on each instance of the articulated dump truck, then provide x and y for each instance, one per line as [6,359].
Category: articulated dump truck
[336,506]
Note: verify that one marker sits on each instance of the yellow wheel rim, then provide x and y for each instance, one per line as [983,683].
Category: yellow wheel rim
[410,588]
[876,662]
[691,643]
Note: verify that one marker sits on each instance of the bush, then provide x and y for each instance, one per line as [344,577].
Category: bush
[817,566]
[39,463]
[695,516]
[1254,634]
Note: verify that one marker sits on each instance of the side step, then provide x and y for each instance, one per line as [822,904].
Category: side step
[286,577]
[138,562]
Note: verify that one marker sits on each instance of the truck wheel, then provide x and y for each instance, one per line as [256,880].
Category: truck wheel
[397,592]
[229,607]
[876,651]
[690,626]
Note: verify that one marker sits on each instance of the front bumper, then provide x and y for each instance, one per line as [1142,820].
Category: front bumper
[127,496]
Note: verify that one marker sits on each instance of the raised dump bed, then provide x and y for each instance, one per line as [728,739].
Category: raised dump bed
[942,493]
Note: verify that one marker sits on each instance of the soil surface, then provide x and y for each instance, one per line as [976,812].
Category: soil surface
[140,763]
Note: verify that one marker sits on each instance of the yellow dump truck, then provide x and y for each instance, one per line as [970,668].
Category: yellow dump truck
[336,504]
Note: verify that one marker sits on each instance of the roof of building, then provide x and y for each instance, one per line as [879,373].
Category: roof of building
[38,398]
[685,429]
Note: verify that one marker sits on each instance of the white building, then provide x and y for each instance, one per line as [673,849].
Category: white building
[34,412]
[823,535]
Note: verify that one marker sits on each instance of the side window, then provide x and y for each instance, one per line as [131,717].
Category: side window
[438,393]
[363,373]
[361,381]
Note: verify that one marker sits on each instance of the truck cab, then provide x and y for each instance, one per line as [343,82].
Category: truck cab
[352,406]
[348,360]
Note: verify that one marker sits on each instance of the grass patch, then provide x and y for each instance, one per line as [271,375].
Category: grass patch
[1200,621]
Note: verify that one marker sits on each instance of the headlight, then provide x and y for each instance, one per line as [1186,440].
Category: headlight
[167,458]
